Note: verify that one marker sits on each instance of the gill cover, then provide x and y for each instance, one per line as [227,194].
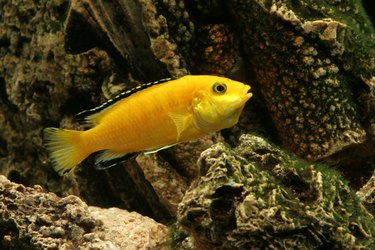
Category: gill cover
[219,107]
[205,115]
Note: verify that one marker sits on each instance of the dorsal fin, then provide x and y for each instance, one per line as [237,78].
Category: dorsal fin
[90,115]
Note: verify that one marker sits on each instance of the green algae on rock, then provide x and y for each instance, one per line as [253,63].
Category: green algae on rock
[257,196]
[314,64]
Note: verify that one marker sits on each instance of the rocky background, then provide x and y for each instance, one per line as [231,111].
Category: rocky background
[296,172]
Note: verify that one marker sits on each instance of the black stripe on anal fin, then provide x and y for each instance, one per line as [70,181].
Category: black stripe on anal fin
[105,164]
[81,116]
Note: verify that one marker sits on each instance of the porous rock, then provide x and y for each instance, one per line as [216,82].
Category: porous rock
[39,87]
[33,219]
[304,66]
[367,194]
[215,51]
[257,197]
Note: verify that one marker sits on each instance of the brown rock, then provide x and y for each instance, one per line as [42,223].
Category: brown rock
[33,219]
[130,230]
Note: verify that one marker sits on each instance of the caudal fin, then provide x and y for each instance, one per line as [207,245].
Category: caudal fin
[65,148]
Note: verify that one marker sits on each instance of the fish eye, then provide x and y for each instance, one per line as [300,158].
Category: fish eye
[219,87]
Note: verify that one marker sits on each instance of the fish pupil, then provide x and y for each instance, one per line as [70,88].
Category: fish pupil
[219,88]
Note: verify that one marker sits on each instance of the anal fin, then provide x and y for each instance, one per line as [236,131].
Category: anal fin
[107,159]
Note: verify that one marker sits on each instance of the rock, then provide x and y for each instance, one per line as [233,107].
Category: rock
[312,79]
[216,52]
[38,87]
[110,26]
[367,194]
[304,66]
[184,156]
[33,219]
[41,86]
[257,197]
[167,183]
[130,230]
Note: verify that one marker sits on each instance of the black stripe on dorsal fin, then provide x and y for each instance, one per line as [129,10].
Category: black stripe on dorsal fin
[82,115]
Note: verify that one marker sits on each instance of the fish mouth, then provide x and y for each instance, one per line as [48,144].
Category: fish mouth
[247,97]
[237,105]
[246,94]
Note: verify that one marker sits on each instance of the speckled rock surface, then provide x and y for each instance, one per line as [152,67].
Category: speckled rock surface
[314,64]
[257,197]
[216,51]
[33,219]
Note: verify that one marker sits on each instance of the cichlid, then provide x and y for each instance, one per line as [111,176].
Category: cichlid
[148,118]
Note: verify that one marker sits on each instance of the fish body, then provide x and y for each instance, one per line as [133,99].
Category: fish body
[159,115]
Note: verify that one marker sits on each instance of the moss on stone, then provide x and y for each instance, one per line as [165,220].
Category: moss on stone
[257,196]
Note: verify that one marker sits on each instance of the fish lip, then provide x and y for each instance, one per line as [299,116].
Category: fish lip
[248,96]
[246,93]
[243,98]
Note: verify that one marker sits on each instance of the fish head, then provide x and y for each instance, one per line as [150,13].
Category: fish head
[219,104]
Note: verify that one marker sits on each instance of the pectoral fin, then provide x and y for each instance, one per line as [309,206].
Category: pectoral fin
[182,122]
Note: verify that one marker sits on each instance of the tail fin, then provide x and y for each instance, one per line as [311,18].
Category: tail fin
[64,147]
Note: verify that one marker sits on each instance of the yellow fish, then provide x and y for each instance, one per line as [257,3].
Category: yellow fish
[148,118]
